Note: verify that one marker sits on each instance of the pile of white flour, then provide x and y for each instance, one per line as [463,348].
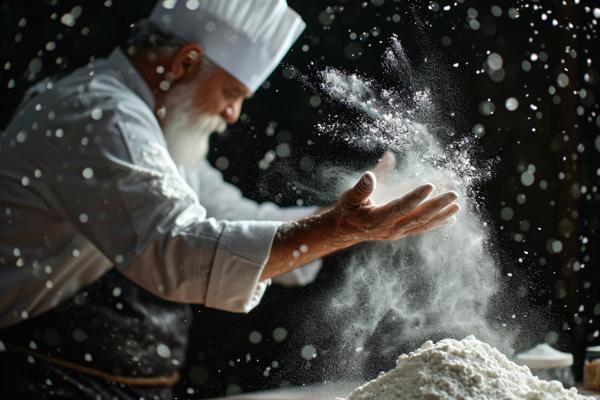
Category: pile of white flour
[465,369]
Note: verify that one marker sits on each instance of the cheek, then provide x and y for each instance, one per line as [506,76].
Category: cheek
[209,99]
[210,102]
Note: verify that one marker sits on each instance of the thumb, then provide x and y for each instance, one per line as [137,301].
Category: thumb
[361,191]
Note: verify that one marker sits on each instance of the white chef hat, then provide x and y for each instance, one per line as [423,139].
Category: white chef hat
[247,38]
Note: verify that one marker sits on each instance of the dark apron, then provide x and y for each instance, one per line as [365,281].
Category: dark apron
[111,326]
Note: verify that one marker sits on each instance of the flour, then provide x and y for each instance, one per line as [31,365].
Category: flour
[460,369]
[445,283]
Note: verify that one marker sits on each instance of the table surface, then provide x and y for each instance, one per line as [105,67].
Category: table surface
[329,391]
[321,392]
[595,395]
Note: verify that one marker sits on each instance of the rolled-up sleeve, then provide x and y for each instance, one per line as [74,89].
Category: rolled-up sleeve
[241,254]
[117,183]
[223,200]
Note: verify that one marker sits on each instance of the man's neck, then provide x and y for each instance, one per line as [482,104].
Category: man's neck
[152,66]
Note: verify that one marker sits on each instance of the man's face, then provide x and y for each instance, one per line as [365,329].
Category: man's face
[203,102]
[220,93]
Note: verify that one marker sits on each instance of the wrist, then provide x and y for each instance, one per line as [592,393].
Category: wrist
[341,236]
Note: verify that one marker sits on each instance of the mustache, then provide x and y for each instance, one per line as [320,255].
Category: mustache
[203,121]
[206,123]
[219,124]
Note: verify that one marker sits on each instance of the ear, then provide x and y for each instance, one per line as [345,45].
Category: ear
[186,58]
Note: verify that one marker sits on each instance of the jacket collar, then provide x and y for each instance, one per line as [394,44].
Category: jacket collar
[131,77]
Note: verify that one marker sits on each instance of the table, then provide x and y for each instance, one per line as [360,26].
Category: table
[322,392]
[581,390]
[329,391]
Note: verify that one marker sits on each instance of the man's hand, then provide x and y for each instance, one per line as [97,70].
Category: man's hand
[354,219]
[358,219]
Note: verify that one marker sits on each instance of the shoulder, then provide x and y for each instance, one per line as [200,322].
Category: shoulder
[96,101]
[103,92]
[89,110]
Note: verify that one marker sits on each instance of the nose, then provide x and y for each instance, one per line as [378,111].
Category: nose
[232,112]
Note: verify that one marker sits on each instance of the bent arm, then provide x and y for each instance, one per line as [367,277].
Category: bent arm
[223,200]
[141,214]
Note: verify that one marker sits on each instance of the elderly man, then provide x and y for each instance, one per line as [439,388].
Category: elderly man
[111,221]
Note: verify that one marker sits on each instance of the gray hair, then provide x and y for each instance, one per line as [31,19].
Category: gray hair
[146,36]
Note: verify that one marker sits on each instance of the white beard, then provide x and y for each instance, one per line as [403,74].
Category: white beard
[187,133]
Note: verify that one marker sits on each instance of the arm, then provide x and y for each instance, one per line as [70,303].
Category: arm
[223,200]
[355,219]
[142,216]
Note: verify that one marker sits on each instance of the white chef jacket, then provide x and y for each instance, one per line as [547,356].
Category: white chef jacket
[87,184]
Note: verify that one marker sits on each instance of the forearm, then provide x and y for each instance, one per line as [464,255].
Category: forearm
[300,242]
[355,218]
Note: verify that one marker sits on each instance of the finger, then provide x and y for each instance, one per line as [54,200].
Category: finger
[361,191]
[429,227]
[441,218]
[385,165]
[427,210]
[407,203]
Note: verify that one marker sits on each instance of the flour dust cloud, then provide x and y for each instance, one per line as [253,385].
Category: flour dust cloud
[435,285]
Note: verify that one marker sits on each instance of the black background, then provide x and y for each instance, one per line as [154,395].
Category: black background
[562,143]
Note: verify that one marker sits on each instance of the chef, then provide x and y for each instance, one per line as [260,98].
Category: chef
[112,222]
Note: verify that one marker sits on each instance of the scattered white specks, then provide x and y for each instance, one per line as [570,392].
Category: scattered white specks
[87,173]
[308,352]
[255,337]
[495,61]
[96,114]
[163,350]
[511,104]
[279,334]
[562,80]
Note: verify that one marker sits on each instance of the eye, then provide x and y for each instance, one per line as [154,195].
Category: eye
[233,94]
[230,94]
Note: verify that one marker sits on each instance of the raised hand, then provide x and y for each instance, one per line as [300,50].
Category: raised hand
[358,218]
[354,219]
